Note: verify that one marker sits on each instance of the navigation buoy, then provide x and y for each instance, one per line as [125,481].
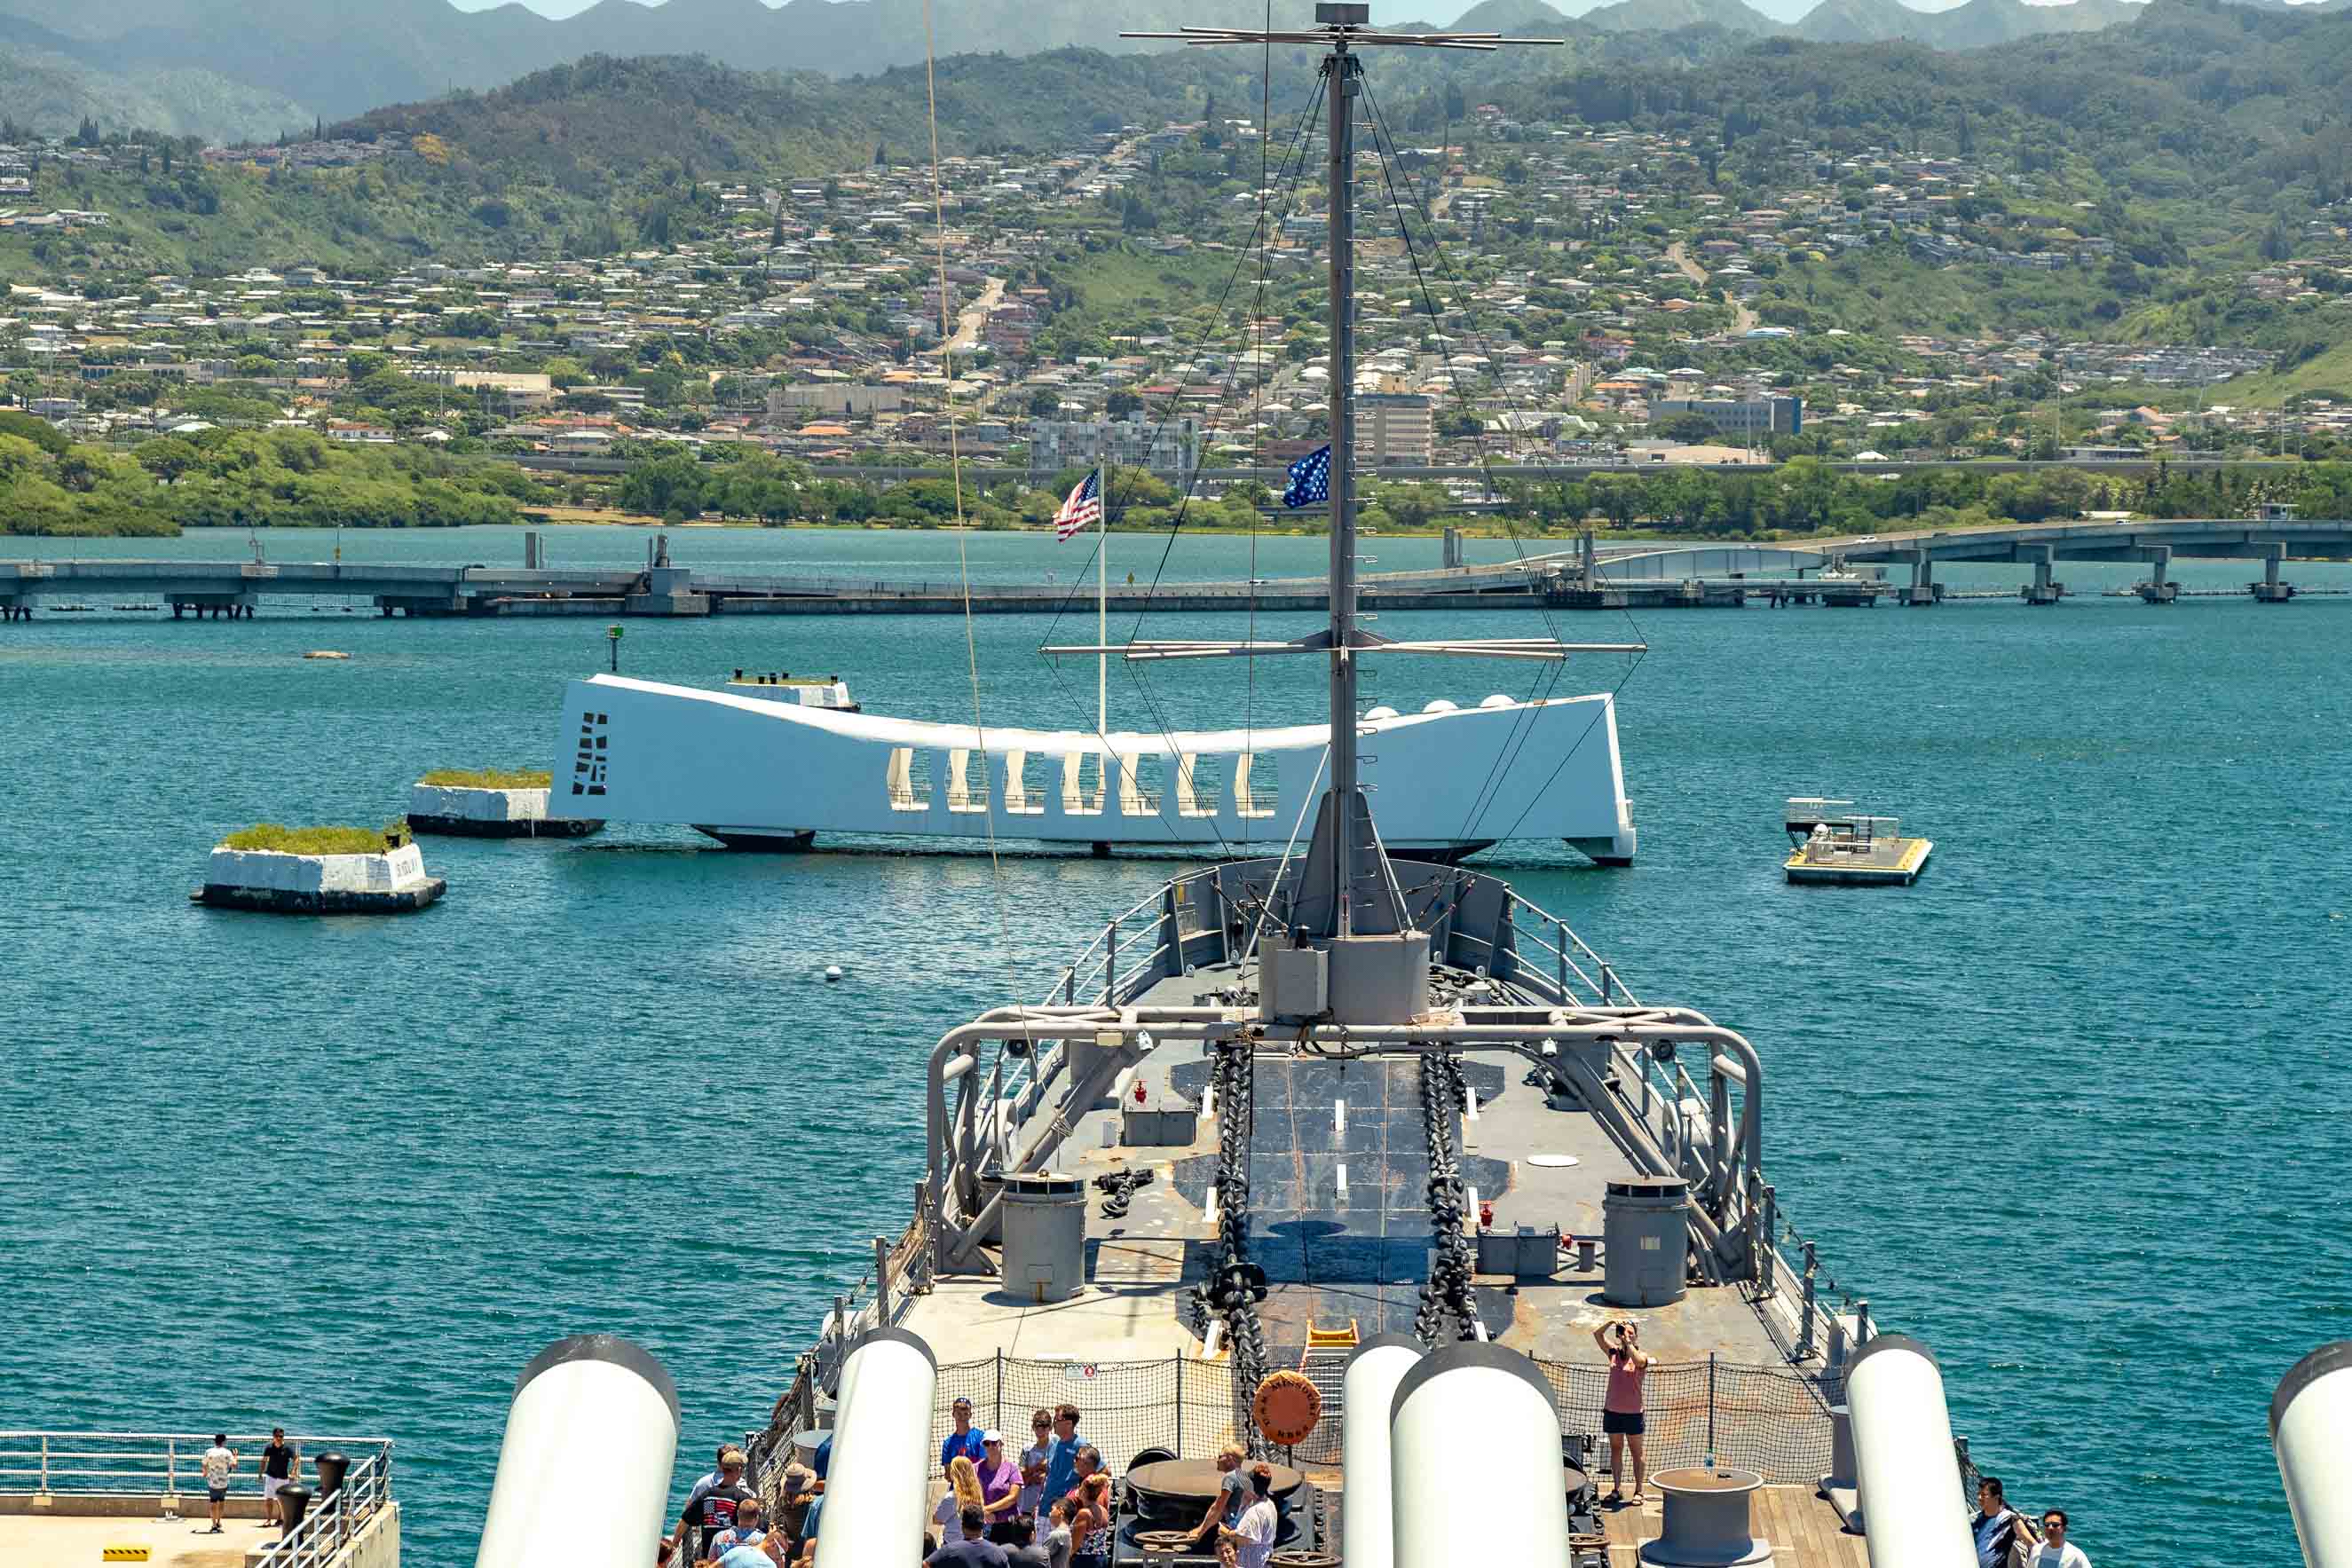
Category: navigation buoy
[831,973]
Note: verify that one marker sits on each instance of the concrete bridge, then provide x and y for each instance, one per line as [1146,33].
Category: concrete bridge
[2269,539]
[1844,570]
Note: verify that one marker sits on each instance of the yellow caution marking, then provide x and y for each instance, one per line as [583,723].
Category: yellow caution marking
[123,1554]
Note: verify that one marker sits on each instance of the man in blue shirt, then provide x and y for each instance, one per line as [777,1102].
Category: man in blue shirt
[1061,1456]
[964,1440]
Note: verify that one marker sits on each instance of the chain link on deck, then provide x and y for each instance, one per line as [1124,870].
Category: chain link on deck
[1447,1291]
[1237,1286]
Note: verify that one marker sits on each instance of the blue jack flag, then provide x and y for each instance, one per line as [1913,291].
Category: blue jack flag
[1311,479]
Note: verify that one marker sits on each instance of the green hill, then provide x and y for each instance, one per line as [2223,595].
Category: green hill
[52,94]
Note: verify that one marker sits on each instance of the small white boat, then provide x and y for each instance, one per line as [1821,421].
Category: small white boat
[770,764]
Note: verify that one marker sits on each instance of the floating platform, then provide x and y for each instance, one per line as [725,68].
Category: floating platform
[468,811]
[1855,850]
[270,882]
[1893,862]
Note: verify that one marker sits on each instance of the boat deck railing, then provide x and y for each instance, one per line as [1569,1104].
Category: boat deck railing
[329,1524]
[1680,1106]
[1774,1420]
[150,1464]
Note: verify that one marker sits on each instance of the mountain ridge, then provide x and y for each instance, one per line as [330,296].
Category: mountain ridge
[343,62]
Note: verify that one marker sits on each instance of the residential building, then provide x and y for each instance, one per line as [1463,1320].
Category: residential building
[836,397]
[1396,427]
[1167,446]
[1736,416]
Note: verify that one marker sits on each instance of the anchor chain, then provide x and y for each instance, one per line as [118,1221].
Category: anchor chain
[1447,1291]
[1238,1285]
[1119,1190]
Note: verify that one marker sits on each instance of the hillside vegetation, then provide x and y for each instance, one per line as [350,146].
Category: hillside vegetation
[342,60]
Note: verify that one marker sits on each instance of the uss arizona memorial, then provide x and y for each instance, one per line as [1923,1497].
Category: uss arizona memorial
[772,766]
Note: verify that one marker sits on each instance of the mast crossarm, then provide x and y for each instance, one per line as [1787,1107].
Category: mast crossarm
[1500,648]
[1403,40]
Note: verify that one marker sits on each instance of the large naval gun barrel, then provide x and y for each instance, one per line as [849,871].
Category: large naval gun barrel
[879,1480]
[584,1469]
[1503,1398]
[1367,1391]
[2311,1430]
[1905,1469]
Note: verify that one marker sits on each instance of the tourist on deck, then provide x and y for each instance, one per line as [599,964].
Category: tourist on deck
[711,1509]
[1620,1408]
[219,1464]
[749,1530]
[1996,1528]
[280,1463]
[1055,1540]
[1090,1523]
[1000,1487]
[1252,1536]
[964,1440]
[1225,1508]
[1032,1506]
[821,1461]
[970,1547]
[963,1493]
[2056,1551]
[1062,1453]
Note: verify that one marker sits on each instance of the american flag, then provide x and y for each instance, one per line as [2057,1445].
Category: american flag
[1082,509]
[1311,479]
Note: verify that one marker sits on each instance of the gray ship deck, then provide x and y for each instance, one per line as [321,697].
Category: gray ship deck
[1331,1260]
[1355,1257]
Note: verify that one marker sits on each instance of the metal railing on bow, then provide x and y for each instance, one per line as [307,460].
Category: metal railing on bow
[332,1522]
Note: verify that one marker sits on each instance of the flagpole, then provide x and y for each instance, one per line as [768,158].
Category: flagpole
[1102,600]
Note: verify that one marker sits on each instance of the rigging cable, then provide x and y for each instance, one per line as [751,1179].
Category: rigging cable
[988,794]
[1508,753]
[1294,163]
[1540,688]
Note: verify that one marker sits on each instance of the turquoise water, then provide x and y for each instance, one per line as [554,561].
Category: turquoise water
[2072,1110]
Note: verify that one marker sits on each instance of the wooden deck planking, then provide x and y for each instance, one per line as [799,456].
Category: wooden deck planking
[1803,1529]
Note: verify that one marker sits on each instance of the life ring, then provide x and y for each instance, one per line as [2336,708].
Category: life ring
[1287,1408]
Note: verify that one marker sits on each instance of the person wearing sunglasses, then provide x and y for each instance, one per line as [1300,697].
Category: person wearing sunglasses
[2056,1551]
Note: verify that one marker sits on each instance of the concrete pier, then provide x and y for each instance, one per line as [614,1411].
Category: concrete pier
[2159,588]
[1925,590]
[2270,590]
[2043,590]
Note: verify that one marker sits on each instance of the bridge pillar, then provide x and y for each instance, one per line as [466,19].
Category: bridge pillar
[214,606]
[2043,590]
[2159,588]
[2270,589]
[1923,590]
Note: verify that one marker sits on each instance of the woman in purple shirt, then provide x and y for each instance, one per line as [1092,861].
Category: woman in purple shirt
[999,1490]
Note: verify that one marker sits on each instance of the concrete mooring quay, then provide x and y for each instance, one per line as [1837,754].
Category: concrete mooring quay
[1847,571]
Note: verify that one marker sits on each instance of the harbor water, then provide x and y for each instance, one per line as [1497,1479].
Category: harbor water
[2073,1110]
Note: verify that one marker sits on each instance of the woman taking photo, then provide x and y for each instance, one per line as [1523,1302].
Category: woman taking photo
[1621,1410]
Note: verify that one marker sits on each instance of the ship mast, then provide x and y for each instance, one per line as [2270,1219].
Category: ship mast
[1369,964]
[1343,78]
